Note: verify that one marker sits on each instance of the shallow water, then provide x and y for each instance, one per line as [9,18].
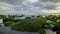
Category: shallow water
[7,30]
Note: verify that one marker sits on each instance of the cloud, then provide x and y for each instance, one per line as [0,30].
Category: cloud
[29,7]
[13,2]
[54,1]
[29,4]
[33,8]
[5,8]
[51,7]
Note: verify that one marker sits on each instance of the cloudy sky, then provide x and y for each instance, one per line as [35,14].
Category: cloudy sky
[29,7]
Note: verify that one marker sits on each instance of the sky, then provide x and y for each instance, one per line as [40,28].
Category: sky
[29,7]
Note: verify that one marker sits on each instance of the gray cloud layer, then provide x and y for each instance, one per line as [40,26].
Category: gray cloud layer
[55,1]
[36,7]
[37,4]
[13,2]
